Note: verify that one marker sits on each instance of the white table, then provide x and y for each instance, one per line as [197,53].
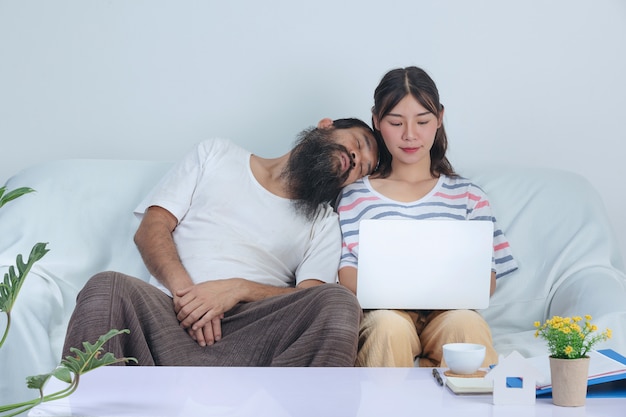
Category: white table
[282,392]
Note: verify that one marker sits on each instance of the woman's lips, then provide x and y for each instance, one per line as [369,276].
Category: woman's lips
[409,150]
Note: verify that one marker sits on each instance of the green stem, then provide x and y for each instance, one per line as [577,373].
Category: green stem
[64,393]
[6,330]
[25,409]
[27,405]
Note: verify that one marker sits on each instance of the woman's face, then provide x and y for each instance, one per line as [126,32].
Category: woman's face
[409,131]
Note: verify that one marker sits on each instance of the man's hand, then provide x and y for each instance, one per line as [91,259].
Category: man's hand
[207,335]
[200,308]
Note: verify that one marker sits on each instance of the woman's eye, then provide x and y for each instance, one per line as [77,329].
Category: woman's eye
[423,123]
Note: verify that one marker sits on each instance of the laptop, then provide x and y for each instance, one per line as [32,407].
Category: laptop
[424,264]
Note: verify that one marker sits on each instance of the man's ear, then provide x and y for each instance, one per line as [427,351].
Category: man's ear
[325,123]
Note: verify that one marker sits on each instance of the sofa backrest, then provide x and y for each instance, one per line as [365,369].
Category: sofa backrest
[84,210]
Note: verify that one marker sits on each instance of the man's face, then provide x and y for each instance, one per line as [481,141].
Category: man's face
[325,160]
[361,153]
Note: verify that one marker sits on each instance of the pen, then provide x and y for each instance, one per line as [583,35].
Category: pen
[437,376]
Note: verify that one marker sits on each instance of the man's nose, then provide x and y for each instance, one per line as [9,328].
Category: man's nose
[355,158]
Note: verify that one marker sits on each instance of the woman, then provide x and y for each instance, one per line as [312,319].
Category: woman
[414,179]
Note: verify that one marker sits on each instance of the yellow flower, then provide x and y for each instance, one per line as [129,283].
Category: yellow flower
[570,337]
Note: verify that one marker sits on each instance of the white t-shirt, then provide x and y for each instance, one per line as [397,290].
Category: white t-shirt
[230,226]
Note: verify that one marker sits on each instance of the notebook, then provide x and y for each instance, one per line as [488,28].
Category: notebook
[605,366]
[424,264]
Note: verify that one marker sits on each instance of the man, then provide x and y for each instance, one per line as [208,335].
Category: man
[237,247]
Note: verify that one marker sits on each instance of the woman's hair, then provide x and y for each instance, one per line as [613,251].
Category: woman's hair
[394,86]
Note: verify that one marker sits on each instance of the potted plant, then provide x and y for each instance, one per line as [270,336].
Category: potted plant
[71,367]
[13,280]
[569,340]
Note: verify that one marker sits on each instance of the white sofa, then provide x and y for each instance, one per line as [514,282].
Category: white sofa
[555,221]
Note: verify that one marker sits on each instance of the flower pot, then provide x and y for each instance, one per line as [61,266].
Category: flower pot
[569,381]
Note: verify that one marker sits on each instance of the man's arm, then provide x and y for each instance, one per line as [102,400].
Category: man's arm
[200,307]
[156,245]
[158,250]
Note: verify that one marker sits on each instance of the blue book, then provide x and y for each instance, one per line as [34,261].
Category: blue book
[606,378]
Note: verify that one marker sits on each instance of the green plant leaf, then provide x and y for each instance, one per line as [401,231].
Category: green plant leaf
[12,283]
[10,287]
[37,381]
[63,374]
[68,371]
[12,195]
[91,357]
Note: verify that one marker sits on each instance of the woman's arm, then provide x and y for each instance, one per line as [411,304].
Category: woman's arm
[347,277]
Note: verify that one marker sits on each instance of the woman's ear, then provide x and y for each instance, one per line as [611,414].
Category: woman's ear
[441,116]
[325,123]
[375,122]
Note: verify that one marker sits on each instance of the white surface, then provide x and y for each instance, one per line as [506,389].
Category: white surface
[424,264]
[278,392]
[524,82]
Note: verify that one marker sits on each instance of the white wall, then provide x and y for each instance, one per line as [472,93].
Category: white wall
[528,82]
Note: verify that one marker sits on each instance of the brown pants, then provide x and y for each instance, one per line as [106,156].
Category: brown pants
[311,327]
[396,337]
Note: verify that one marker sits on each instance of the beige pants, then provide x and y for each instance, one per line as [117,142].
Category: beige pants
[396,337]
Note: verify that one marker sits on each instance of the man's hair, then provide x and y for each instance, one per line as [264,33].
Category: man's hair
[351,122]
[312,171]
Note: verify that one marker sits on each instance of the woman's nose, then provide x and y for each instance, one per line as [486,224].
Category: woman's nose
[409,133]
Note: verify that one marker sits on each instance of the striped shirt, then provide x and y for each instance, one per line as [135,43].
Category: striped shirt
[452,198]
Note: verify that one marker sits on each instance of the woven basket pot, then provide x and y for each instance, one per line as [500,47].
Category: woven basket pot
[569,381]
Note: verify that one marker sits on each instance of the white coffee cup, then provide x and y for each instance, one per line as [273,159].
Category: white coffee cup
[463,358]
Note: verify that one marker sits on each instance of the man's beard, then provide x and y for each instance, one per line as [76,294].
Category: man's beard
[313,172]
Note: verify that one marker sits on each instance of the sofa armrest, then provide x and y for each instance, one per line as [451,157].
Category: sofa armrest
[595,291]
[599,292]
